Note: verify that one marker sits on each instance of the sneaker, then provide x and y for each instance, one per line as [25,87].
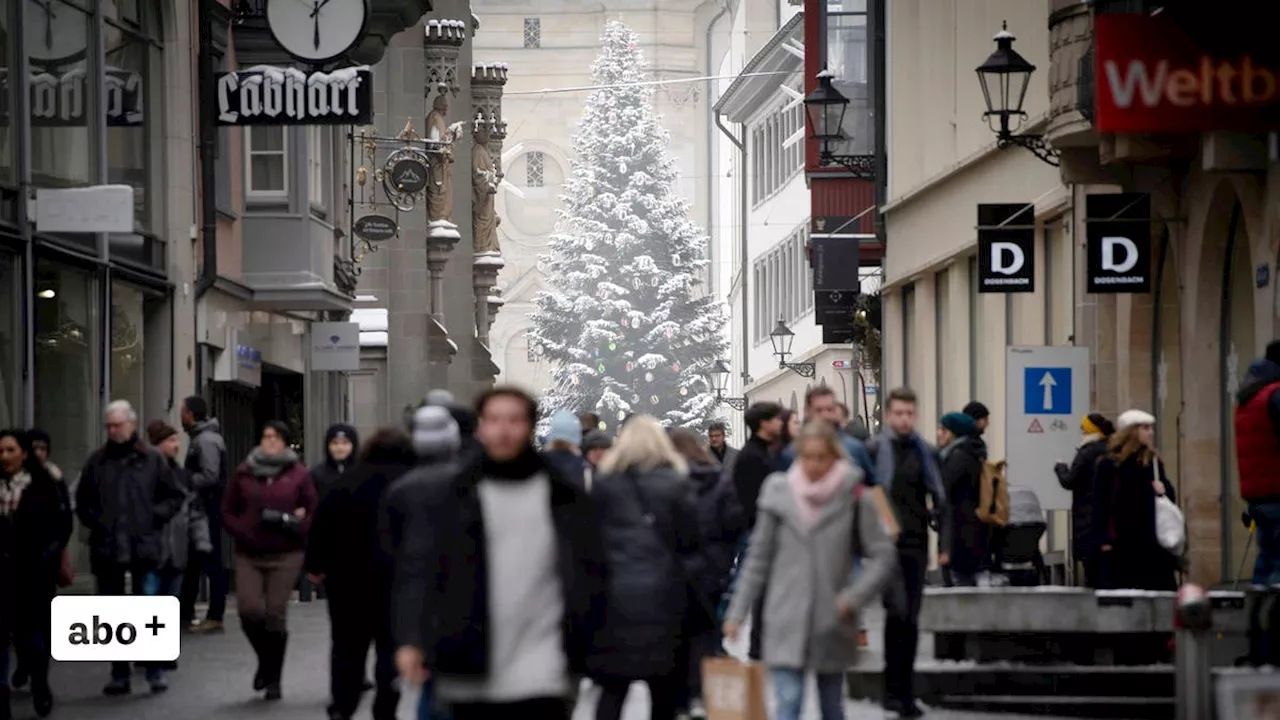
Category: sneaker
[207,626]
[117,686]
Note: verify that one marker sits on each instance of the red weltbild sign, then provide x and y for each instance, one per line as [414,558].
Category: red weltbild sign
[1150,77]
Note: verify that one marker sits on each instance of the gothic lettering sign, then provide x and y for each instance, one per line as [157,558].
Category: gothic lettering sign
[60,100]
[265,95]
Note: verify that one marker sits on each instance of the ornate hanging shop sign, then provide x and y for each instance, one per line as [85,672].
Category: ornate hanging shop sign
[60,99]
[265,95]
[375,228]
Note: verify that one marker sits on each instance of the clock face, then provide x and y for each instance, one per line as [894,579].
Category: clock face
[316,30]
[53,32]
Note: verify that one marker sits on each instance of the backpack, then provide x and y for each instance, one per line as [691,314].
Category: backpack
[993,493]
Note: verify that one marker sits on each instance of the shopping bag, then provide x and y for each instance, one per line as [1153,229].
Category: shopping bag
[733,690]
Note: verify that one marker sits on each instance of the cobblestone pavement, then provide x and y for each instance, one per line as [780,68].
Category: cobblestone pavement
[213,681]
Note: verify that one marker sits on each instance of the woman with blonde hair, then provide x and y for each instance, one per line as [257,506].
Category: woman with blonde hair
[811,527]
[649,520]
[1128,479]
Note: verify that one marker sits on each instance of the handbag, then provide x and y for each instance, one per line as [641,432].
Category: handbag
[1171,525]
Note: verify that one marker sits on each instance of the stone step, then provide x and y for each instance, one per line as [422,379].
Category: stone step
[1092,706]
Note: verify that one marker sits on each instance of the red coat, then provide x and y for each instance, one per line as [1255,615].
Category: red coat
[247,496]
[1257,447]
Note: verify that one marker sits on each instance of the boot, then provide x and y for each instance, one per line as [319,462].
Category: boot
[276,643]
[6,713]
[255,631]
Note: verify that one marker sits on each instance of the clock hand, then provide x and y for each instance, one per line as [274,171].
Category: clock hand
[48,25]
[315,19]
[319,6]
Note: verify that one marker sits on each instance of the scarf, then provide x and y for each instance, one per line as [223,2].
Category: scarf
[812,495]
[1089,438]
[945,452]
[884,465]
[521,467]
[266,465]
[11,492]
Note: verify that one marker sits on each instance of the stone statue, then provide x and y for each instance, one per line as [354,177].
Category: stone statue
[484,189]
[440,189]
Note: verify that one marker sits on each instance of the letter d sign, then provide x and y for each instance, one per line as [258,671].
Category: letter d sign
[1002,250]
[1109,246]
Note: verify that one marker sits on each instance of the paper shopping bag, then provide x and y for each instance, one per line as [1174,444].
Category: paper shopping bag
[732,690]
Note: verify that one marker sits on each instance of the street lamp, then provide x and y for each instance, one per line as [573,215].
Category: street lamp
[1004,78]
[719,373]
[826,107]
[782,338]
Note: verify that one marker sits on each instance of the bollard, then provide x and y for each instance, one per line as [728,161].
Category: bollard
[1193,624]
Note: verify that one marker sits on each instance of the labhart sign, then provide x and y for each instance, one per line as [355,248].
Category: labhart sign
[265,95]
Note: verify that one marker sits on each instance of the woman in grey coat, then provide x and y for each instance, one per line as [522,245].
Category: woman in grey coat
[812,524]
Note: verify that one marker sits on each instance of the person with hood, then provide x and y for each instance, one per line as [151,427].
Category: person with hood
[209,468]
[268,509]
[436,438]
[126,495]
[961,471]
[1128,479]
[982,418]
[1257,425]
[34,529]
[1078,478]
[341,447]
[498,586]
[722,524]
[652,542]
[563,448]
[346,553]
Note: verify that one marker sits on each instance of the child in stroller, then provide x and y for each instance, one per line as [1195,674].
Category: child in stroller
[1016,546]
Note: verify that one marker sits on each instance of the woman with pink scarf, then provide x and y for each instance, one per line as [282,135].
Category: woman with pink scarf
[812,523]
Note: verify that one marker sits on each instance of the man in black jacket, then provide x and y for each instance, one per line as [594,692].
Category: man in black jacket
[126,495]
[500,575]
[754,464]
[209,469]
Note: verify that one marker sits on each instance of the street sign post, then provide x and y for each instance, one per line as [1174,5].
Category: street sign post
[1047,392]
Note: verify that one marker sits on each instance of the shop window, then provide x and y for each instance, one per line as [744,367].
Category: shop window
[66,362]
[60,145]
[128,375]
[8,151]
[11,342]
[317,137]
[266,166]
[533,32]
[223,169]
[133,107]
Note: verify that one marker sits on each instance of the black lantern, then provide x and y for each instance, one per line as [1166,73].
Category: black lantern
[782,339]
[719,374]
[1005,77]
[825,108]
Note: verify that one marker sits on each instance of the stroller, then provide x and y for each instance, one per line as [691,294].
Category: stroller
[1016,545]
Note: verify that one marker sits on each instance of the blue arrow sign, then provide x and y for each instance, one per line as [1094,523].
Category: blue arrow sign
[1047,391]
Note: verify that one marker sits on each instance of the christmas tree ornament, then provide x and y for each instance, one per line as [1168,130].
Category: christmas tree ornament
[602,426]
[600,368]
[670,332]
[684,391]
[613,346]
[654,400]
[635,398]
[622,415]
[655,281]
[574,379]
[648,377]
[629,366]
[676,367]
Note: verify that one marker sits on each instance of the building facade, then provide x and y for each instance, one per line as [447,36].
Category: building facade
[550,45]
[1179,349]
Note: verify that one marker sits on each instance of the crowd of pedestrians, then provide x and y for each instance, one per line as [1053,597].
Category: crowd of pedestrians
[500,571]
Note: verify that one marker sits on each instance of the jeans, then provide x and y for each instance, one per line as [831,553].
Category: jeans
[355,626]
[788,689]
[1266,518]
[110,581]
[428,709]
[901,627]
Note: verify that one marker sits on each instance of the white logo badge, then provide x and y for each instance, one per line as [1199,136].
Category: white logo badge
[1002,250]
[1109,245]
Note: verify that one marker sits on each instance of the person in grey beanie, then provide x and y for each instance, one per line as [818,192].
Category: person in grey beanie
[564,451]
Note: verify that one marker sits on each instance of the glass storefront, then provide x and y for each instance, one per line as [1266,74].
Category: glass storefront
[128,374]
[67,351]
[54,40]
[10,342]
[8,150]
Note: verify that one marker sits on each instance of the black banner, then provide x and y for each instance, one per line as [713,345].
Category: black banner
[1006,248]
[837,335]
[289,96]
[835,263]
[1118,243]
[835,307]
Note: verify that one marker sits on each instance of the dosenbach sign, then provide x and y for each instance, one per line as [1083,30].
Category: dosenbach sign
[1152,77]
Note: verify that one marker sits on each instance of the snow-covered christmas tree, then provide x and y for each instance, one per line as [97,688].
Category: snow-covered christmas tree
[628,328]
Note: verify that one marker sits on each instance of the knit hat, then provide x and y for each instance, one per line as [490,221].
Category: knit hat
[596,440]
[1096,424]
[440,396]
[434,432]
[960,424]
[565,427]
[1130,418]
[977,411]
[158,431]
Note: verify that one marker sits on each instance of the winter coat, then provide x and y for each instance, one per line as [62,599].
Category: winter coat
[248,495]
[962,477]
[126,495]
[649,520]
[1125,519]
[1257,425]
[1078,478]
[722,524]
[753,466]
[189,528]
[206,460]
[325,474]
[726,460]
[31,542]
[805,571]
[572,465]
[856,450]
[440,600]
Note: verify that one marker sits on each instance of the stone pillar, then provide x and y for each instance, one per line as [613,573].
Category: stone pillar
[487,83]
[485,277]
[495,302]
[440,50]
